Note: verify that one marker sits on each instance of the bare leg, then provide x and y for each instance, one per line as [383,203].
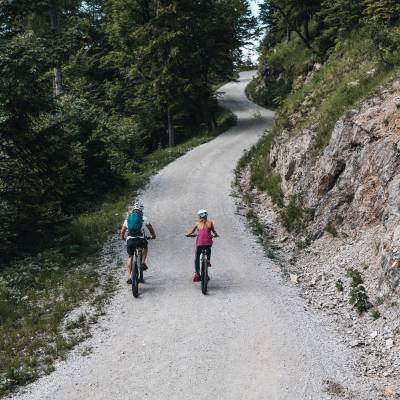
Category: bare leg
[129,266]
[144,255]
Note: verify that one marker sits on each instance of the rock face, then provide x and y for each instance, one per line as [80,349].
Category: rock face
[355,183]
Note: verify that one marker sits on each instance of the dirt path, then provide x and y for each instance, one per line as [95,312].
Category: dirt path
[250,338]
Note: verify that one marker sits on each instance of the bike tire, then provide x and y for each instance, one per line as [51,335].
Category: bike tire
[204,275]
[135,280]
[141,278]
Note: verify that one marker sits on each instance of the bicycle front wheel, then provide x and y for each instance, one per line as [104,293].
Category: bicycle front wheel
[135,280]
[204,275]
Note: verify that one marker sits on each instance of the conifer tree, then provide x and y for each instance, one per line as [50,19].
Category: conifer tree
[382,11]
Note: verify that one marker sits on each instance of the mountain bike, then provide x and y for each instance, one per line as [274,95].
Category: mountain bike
[137,270]
[204,264]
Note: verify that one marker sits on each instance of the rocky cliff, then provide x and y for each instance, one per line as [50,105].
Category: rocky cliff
[345,253]
[355,183]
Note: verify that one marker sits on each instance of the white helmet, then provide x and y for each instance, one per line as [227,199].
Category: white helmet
[138,206]
[202,213]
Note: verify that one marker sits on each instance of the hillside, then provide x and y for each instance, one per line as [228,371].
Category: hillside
[322,187]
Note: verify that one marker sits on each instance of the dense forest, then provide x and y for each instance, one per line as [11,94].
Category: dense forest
[88,88]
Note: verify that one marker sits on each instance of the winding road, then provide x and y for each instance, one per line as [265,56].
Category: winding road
[250,338]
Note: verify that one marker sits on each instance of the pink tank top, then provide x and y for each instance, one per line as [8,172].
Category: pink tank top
[204,237]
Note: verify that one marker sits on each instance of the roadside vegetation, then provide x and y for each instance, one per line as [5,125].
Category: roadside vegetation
[38,292]
[95,96]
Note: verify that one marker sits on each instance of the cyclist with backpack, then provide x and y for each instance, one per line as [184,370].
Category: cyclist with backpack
[204,240]
[134,228]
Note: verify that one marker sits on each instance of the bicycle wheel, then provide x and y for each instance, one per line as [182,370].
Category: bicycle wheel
[135,280]
[141,279]
[204,274]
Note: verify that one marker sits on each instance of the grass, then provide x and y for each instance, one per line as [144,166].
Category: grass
[254,221]
[262,175]
[351,73]
[37,293]
[292,215]
[375,314]
[339,285]
[262,234]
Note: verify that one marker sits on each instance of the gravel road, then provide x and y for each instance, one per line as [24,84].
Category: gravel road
[250,338]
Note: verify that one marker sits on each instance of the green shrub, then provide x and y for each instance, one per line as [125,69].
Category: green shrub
[355,276]
[339,285]
[375,314]
[359,299]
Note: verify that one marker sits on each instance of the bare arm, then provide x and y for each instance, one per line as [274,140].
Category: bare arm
[213,230]
[151,230]
[122,232]
[193,230]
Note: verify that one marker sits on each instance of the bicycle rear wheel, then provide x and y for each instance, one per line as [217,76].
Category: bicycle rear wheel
[135,280]
[204,274]
[141,279]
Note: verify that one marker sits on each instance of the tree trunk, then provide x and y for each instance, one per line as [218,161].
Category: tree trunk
[171,133]
[306,32]
[58,86]
[214,124]
[298,31]
[288,33]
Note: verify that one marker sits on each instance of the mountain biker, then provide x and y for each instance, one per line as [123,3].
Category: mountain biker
[136,239]
[204,240]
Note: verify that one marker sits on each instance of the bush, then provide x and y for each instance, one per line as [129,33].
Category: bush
[355,276]
[359,299]
[375,314]
[339,285]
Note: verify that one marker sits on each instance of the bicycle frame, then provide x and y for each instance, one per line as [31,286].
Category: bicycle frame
[204,263]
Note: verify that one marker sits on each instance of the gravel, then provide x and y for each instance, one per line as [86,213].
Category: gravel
[252,337]
[316,269]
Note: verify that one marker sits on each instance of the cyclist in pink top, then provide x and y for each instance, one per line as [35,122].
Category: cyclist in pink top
[204,240]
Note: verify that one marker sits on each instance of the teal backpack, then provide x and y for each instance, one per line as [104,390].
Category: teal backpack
[135,224]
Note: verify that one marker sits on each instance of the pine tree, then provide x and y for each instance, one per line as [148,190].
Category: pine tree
[290,15]
[382,11]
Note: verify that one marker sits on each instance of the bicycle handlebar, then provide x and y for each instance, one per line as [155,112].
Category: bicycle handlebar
[193,236]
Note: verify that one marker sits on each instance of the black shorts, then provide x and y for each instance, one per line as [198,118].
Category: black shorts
[134,243]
